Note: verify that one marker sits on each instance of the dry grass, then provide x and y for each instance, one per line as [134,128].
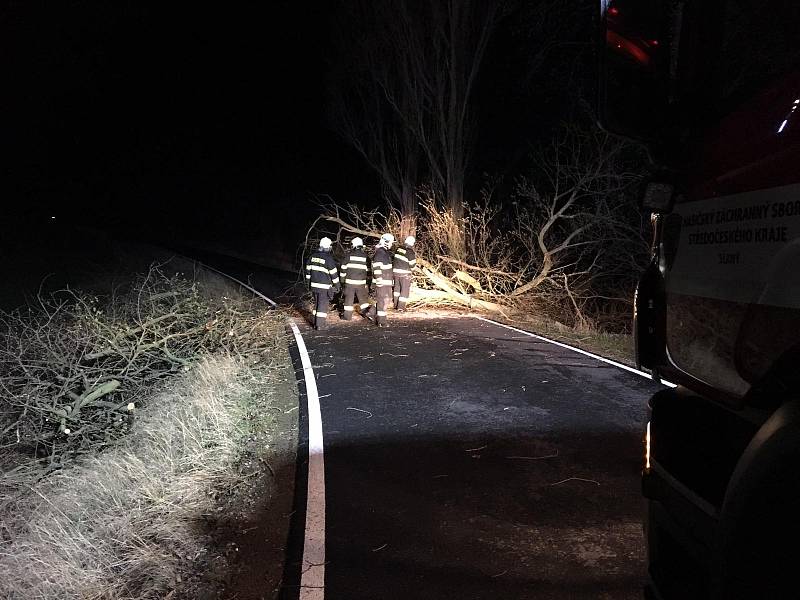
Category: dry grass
[73,366]
[130,519]
[126,523]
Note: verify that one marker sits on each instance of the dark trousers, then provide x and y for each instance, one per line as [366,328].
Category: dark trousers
[383,296]
[360,294]
[402,289]
[321,303]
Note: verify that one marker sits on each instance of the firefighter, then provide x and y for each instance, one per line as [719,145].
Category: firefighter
[323,279]
[354,274]
[403,262]
[382,277]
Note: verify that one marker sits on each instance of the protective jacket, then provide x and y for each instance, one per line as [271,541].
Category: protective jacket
[321,272]
[383,278]
[322,277]
[382,268]
[354,276]
[354,269]
[404,260]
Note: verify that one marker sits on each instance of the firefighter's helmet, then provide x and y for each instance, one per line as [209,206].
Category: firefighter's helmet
[410,240]
[387,239]
[325,243]
[357,242]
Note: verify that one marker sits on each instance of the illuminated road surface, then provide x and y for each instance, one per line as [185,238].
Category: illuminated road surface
[464,460]
[467,461]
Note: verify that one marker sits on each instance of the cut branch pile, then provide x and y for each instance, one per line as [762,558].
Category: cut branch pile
[73,366]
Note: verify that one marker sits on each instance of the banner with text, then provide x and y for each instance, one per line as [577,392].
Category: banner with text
[741,248]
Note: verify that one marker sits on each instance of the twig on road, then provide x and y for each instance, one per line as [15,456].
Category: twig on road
[574,479]
[500,574]
[534,458]
[369,414]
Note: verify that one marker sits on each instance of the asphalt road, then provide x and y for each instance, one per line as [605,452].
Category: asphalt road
[466,461]
[489,464]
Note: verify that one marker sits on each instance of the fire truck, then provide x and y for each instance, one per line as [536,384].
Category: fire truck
[712,88]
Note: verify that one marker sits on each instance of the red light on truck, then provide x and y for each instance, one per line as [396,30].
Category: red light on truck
[628,47]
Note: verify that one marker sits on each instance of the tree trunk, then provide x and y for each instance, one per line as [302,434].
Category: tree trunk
[408,207]
[455,196]
[408,226]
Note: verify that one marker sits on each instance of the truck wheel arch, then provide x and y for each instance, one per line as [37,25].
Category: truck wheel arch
[760,513]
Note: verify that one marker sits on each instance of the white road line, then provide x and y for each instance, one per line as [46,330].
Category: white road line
[574,349]
[241,283]
[312,581]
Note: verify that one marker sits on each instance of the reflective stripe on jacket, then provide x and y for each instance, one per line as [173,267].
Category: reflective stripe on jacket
[382,267]
[321,271]
[355,267]
[404,260]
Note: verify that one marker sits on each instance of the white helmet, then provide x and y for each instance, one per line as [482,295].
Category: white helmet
[357,242]
[387,239]
[410,240]
[325,243]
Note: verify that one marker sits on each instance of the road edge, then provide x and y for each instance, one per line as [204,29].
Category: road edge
[609,361]
[312,578]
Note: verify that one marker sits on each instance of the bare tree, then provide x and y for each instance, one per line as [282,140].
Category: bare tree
[360,110]
[573,201]
[405,102]
[445,47]
[572,239]
[576,219]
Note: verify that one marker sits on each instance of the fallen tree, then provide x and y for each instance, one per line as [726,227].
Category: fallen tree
[569,236]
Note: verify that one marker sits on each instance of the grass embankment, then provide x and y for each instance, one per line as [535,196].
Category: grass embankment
[616,346]
[101,501]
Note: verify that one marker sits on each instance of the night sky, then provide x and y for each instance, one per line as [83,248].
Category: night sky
[115,111]
[183,120]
